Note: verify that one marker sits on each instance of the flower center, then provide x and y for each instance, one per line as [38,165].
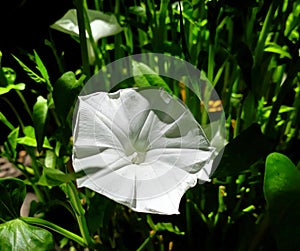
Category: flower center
[137,157]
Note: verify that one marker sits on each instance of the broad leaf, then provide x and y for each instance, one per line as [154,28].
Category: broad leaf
[39,116]
[243,151]
[30,140]
[55,177]
[8,88]
[18,235]
[12,192]
[281,190]
[66,89]
[145,76]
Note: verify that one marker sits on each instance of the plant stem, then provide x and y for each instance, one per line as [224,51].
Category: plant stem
[82,38]
[54,227]
[14,111]
[25,103]
[145,243]
[72,194]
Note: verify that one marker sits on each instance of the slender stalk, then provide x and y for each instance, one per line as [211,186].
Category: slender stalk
[15,112]
[54,227]
[82,37]
[25,103]
[146,241]
[72,194]
[188,221]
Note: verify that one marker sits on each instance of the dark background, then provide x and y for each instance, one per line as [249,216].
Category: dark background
[24,26]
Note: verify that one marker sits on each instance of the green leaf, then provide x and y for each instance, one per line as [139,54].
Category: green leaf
[249,110]
[166,226]
[42,69]
[50,159]
[281,190]
[243,151]
[66,89]
[145,77]
[55,177]
[13,192]
[99,213]
[39,116]
[30,140]
[18,235]
[30,72]
[277,49]
[10,76]
[10,146]
[4,120]
[8,88]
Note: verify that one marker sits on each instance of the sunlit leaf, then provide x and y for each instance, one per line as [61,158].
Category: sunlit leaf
[8,88]
[30,72]
[55,177]
[4,120]
[42,69]
[40,112]
[145,76]
[277,49]
[18,235]
[281,190]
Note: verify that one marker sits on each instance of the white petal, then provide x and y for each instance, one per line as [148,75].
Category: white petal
[140,147]
[102,25]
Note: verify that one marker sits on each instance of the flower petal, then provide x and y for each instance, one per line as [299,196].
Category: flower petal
[139,147]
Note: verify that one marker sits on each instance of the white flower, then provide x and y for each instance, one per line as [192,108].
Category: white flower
[140,147]
[102,25]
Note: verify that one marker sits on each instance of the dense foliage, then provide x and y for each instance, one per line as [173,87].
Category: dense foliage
[248,50]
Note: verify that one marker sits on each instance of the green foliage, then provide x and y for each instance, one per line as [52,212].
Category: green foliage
[13,192]
[16,234]
[66,89]
[281,189]
[145,76]
[40,112]
[247,148]
[248,50]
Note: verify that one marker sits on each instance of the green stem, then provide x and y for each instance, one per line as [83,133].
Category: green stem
[188,220]
[90,33]
[146,241]
[52,226]
[82,38]
[75,202]
[25,103]
[14,111]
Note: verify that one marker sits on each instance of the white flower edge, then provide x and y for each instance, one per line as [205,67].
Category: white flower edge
[163,203]
[102,25]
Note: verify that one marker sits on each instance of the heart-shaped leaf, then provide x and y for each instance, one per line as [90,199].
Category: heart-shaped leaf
[18,235]
[281,190]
